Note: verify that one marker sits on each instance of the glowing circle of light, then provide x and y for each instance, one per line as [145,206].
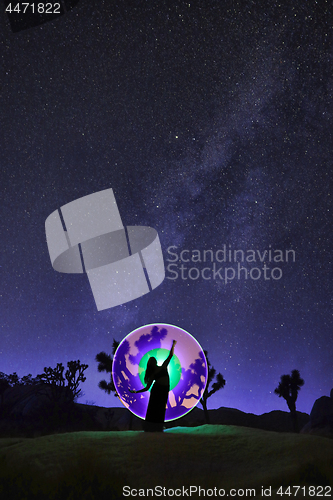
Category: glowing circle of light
[187,369]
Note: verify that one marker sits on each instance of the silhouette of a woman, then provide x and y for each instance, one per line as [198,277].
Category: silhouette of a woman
[159,393]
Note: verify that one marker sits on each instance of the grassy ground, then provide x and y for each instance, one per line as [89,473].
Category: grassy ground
[89,465]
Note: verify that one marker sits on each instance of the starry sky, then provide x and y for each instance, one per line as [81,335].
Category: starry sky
[212,123]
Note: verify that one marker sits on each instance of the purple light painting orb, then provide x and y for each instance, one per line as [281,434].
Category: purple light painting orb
[187,369]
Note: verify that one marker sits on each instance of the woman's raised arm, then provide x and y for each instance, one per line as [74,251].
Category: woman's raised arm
[167,361]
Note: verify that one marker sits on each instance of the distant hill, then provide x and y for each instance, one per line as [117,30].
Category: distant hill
[278,421]
[27,411]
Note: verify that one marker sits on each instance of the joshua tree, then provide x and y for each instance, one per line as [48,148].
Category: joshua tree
[105,365]
[28,380]
[74,376]
[4,384]
[216,386]
[11,380]
[54,377]
[288,388]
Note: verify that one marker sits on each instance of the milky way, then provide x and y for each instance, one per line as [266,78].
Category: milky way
[211,121]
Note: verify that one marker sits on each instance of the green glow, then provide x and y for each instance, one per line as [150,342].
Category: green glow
[174,367]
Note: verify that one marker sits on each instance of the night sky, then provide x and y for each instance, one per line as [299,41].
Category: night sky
[212,122]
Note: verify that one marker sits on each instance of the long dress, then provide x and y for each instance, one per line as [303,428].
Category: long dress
[157,402]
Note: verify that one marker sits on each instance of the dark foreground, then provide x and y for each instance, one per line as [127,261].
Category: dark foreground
[131,464]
